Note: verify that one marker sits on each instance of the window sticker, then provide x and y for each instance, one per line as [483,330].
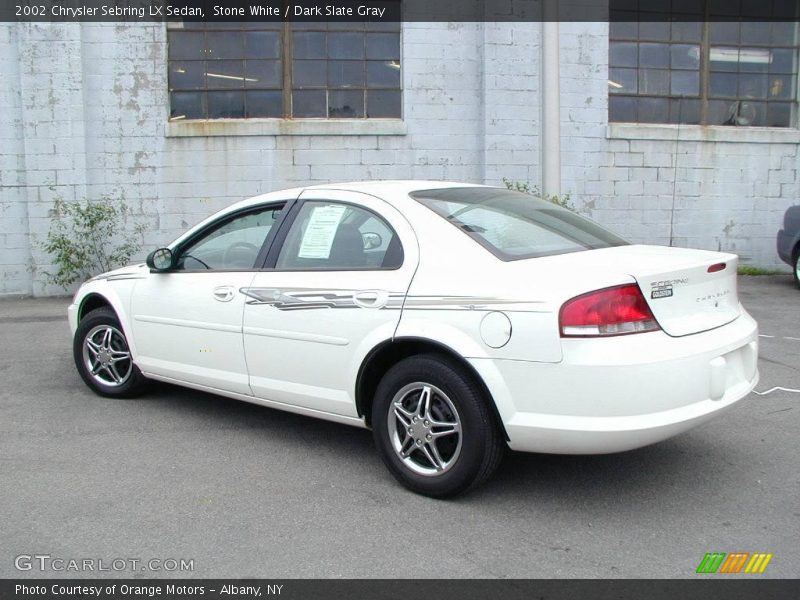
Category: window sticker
[320,231]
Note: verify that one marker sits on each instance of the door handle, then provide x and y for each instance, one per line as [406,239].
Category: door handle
[224,293]
[371,298]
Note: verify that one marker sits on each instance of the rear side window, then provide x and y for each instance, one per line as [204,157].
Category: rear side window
[339,236]
[513,225]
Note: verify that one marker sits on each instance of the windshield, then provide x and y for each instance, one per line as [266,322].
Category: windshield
[513,225]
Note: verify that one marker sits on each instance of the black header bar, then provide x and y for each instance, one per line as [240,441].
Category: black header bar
[66,11]
[703,588]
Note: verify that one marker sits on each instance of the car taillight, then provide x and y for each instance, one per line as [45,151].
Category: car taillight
[612,311]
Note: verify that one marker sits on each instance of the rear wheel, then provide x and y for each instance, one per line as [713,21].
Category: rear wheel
[433,427]
[103,357]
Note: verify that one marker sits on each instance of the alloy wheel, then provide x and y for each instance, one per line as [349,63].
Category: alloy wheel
[425,429]
[106,356]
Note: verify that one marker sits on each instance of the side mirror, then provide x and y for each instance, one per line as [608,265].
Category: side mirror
[371,240]
[160,260]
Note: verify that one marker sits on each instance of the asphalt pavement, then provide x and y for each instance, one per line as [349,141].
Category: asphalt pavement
[246,491]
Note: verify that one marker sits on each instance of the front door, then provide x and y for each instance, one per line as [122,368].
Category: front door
[187,323]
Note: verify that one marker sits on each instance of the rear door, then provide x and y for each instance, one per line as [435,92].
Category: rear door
[332,290]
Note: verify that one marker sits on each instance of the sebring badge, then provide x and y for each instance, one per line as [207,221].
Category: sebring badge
[663,289]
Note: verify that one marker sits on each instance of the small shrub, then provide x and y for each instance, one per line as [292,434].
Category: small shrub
[564,200]
[87,238]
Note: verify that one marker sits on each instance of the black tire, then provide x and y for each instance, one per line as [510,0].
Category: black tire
[131,381]
[473,457]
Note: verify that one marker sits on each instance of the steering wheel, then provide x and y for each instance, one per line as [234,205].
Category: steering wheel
[236,246]
[187,255]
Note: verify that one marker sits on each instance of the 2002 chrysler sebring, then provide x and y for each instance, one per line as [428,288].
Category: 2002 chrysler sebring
[452,319]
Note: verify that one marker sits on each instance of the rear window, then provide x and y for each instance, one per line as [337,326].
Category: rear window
[513,225]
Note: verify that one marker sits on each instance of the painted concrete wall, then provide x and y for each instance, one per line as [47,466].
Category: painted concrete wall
[86,113]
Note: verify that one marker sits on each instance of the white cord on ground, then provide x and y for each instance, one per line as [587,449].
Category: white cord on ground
[776,389]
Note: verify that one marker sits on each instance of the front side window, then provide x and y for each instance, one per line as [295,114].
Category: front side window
[291,70]
[707,71]
[513,225]
[233,245]
[335,236]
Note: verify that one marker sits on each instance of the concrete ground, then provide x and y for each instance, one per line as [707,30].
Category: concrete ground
[248,491]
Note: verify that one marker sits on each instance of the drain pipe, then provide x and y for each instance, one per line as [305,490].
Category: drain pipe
[551,102]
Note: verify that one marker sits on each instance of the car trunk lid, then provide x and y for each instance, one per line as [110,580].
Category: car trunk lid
[688,291]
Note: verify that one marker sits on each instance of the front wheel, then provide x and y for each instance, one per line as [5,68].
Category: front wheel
[433,427]
[103,357]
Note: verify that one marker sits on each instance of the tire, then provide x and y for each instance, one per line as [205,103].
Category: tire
[99,350]
[469,446]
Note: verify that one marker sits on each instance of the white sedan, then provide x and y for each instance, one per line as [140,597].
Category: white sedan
[453,320]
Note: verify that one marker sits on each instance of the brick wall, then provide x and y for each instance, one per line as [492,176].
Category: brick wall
[86,116]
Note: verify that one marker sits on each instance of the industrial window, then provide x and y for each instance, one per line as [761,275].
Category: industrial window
[284,70]
[711,72]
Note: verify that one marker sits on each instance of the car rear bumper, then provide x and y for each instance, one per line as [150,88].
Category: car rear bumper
[616,394]
[784,244]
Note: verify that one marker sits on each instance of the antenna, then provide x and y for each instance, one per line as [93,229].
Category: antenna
[675,173]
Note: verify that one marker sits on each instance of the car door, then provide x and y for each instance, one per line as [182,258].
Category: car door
[187,322]
[332,289]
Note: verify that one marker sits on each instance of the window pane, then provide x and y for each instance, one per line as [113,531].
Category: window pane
[225,74]
[345,104]
[187,75]
[685,83]
[262,44]
[784,33]
[186,45]
[754,60]
[684,56]
[226,105]
[652,110]
[752,86]
[723,85]
[309,103]
[654,81]
[187,105]
[781,86]
[383,74]
[234,245]
[622,81]
[779,114]
[619,29]
[384,104]
[654,30]
[756,33]
[309,73]
[723,32]
[622,54]
[308,44]
[346,45]
[345,73]
[783,60]
[724,58]
[654,55]
[687,31]
[622,109]
[684,110]
[383,46]
[264,103]
[263,73]
[329,235]
[224,44]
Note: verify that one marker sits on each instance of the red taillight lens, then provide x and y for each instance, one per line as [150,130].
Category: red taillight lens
[612,311]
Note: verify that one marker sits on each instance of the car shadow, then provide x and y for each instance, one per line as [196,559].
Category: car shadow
[672,468]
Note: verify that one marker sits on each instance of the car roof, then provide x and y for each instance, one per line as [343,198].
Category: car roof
[394,192]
